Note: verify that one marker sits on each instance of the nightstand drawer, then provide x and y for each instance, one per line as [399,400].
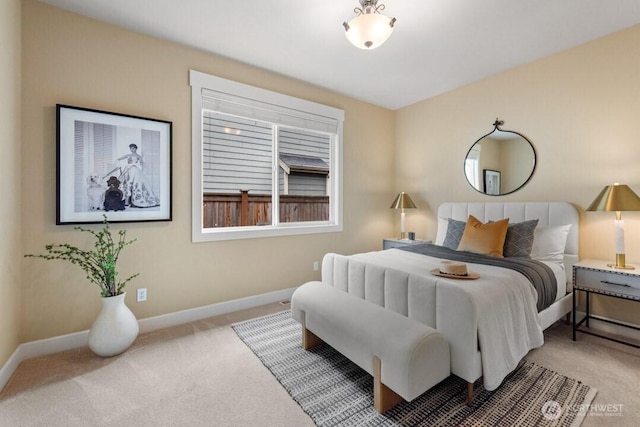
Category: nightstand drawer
[608,282]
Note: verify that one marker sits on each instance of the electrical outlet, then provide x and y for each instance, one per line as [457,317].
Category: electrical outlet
[315,265]
[142,294]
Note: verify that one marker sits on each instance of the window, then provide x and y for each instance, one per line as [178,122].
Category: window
[264,164]
[471,167]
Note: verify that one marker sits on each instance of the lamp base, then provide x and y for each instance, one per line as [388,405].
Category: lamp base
[620,263]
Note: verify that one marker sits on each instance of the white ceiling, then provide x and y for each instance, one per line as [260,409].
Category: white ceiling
[437,45]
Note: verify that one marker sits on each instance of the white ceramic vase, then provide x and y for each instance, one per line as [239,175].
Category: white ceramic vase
[115,328]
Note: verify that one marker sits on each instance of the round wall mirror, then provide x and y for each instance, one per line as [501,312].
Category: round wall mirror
[500,162]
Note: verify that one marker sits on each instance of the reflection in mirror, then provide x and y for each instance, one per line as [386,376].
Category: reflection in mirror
[500,162]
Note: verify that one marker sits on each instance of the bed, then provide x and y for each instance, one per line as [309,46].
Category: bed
[490,323]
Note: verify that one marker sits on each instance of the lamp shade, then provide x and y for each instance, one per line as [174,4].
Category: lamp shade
[369,30]
[403,201]
[616,198]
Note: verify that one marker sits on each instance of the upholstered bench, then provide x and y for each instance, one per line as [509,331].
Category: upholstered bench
[405,357]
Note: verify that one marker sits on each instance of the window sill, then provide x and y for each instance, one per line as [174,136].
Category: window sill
[236,233]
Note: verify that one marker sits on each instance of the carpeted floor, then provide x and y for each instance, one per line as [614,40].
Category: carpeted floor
[336,392]
[202,374]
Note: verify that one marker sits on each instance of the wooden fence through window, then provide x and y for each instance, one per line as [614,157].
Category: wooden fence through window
[231,210]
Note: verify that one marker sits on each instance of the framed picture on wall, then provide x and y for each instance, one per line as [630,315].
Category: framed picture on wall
[491,180]
[111,164]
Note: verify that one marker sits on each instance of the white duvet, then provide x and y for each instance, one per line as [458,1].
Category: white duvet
[505,302]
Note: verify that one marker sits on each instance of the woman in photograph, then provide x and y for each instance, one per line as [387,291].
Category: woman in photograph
[137,189]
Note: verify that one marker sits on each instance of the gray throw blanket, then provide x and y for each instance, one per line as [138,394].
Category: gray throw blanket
[539,274]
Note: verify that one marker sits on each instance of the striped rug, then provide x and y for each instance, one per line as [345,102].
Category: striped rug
[335,392]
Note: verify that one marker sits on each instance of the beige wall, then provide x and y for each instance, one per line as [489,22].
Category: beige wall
[578,108]
[73,60]
[581,111]
[10,244]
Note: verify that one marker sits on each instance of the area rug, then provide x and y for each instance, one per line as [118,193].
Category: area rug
[335,392]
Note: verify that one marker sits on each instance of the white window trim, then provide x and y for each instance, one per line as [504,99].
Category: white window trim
[198,81]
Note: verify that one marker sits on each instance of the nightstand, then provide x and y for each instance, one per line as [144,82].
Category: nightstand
[595,277]
[390,243]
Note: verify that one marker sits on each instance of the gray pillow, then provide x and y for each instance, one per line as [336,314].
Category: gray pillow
[519,240]
[455,229]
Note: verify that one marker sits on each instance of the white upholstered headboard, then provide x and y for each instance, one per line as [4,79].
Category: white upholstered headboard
[547,213]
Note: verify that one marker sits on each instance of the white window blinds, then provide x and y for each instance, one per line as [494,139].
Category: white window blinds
[242,100]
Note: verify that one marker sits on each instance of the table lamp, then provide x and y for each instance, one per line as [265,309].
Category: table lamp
[617,198]
[403,201]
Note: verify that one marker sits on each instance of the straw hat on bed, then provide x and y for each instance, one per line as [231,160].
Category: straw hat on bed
[454,270]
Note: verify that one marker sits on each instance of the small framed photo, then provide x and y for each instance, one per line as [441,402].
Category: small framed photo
[491,182]
[111,164]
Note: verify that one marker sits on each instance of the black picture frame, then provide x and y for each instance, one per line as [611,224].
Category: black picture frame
[111,164]
[491,179]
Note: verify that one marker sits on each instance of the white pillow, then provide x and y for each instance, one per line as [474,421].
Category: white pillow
[443,224]
[549,243]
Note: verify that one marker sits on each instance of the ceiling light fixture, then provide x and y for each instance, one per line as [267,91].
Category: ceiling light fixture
[369,29]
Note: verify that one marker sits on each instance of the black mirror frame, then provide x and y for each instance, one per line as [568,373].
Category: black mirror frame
[496,127]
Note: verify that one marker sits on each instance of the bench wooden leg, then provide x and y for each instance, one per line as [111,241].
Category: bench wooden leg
[469,394]
[383,397]
[309,339]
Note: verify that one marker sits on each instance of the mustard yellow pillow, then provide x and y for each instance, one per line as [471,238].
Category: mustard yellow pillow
[487,239]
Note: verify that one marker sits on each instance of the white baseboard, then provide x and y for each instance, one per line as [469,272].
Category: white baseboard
[193,314]
[60,343]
